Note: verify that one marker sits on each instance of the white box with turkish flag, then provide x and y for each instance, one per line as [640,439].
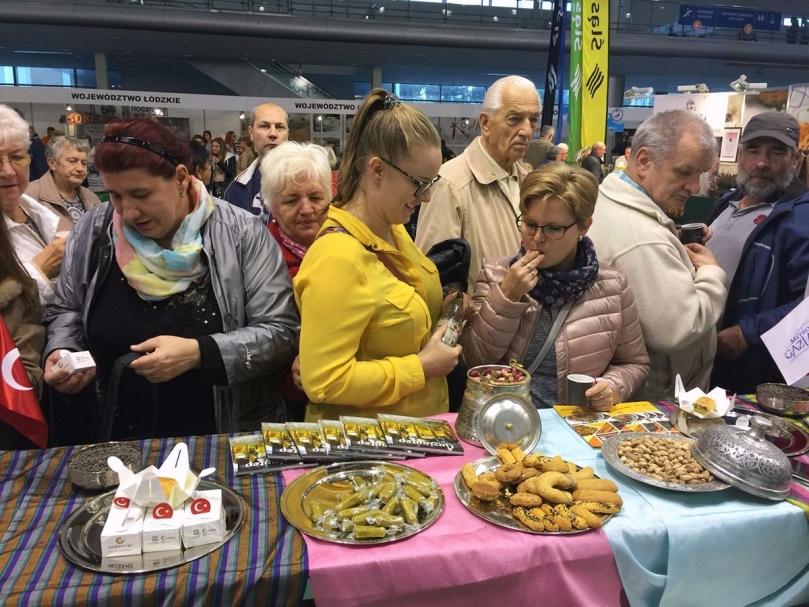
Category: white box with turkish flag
[121,535]
[161,528]
[204,519]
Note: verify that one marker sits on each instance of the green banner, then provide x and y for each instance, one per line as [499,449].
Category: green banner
[574,113]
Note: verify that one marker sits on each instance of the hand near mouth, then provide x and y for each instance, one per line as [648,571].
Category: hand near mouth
[522,276]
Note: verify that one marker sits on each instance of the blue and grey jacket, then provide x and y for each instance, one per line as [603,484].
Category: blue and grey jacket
[769,283]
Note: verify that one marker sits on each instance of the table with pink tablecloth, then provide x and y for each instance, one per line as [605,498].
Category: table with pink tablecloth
[465,560]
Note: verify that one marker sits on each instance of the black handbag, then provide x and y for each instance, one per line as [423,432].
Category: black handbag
[452,258]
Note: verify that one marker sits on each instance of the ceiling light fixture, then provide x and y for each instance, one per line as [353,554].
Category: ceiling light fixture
[638,91]
[741,85]
[693,88]
[69,107]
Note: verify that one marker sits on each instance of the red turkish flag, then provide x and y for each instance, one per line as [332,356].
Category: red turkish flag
[18,403]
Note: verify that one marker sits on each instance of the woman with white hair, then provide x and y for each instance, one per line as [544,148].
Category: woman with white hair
[60,188]
[296,189]
[32,226]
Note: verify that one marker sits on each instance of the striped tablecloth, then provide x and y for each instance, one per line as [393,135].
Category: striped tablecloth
[264,565]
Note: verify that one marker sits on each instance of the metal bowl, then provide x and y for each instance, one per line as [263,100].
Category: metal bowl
[782,399]
[745,458]
[98,475]
[509,421]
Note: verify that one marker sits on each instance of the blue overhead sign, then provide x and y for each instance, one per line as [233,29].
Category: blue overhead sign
[698,17]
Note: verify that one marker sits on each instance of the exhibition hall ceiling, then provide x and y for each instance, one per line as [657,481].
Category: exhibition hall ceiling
[130,51]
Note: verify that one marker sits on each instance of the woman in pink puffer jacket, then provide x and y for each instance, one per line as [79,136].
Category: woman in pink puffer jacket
[517,300]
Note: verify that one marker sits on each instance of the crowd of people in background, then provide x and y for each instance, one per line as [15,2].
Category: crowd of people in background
[230,281]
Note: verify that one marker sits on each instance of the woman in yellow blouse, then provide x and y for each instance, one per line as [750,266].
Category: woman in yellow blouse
[369,298]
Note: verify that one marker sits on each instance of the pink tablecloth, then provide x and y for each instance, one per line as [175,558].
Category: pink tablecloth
[464,560]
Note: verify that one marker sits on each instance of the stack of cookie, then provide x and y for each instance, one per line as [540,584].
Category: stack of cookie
[545,493]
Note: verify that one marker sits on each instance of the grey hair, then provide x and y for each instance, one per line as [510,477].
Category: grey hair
[562,146]
[13,128]
[493,99]
[332,156]
[546,130]
[255,109]
[661,133]
[293,162]
[553,152]
[59,145]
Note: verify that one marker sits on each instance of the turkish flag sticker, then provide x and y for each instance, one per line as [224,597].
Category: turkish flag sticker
[121,502]
[200,506]
[162,511]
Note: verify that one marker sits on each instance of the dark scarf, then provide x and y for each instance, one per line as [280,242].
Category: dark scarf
[559,288]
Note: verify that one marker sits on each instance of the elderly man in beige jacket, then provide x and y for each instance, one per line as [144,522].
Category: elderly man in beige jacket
[478,197]
[679,290]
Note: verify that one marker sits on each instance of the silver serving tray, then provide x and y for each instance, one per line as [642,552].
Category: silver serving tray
[610,452]
[327,481]
[499,512]
[80,537]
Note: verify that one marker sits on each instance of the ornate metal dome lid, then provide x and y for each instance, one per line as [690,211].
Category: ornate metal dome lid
[745,458]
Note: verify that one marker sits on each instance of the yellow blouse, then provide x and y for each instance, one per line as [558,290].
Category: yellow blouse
[362,328]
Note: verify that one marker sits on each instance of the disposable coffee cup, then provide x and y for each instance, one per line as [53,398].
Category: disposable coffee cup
[691,232]
[577,385]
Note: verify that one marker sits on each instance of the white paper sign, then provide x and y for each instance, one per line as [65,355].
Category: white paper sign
[788,343]
[712,107]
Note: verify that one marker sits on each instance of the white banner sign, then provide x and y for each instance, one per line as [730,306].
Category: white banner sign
[140,99]
[788,343]
[712,107]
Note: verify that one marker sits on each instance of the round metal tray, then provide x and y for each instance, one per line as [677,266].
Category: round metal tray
[80,537]
[499,512]
[323,485]
[788,436]
[610,452]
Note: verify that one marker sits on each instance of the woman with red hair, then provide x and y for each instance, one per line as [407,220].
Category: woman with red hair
[190,285]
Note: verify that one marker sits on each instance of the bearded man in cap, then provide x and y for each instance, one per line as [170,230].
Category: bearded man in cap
[761,240]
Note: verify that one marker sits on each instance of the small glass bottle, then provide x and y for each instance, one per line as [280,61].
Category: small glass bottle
[454,321]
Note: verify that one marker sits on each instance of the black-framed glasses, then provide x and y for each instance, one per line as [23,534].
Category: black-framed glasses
[551,232]
[18,160]
[421,186]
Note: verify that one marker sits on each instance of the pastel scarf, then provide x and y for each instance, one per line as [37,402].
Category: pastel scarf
[558,288]
[157,273]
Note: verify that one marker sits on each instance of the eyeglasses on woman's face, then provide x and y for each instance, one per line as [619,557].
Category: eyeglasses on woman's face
[551,232]
[421,186]
[18,160]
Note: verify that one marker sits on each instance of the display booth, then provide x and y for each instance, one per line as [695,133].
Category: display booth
[81,112]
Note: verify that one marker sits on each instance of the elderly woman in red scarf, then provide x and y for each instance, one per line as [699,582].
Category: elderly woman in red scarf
[296,189]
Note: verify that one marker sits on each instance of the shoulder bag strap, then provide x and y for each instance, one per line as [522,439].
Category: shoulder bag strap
[111,397]
[557,325]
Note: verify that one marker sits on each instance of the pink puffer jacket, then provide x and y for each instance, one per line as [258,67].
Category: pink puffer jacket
[601,336]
